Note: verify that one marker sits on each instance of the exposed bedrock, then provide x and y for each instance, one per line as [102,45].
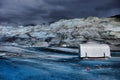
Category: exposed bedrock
[64,33]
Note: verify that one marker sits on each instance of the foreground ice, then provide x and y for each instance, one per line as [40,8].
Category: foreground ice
[43,65]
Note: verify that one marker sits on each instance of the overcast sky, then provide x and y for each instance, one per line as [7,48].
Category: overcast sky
[39,11]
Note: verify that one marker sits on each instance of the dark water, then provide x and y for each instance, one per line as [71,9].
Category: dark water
[43,65]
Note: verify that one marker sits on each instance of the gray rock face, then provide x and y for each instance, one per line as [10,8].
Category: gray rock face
[69,32]
[38,34]
[23,36]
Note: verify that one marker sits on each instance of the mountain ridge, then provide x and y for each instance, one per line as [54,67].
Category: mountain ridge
[64,32]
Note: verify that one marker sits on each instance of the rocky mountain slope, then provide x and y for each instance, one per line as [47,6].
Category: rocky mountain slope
[64,33]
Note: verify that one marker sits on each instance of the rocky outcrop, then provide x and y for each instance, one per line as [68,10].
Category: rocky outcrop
[64,32]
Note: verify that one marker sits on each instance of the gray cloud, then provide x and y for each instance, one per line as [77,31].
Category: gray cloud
[39,11]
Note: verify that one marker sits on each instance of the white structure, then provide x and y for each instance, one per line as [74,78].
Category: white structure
[94,50]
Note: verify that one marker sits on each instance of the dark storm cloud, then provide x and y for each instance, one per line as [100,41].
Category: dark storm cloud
[39,11]
[85,8]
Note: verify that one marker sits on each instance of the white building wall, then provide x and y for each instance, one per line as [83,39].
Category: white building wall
[94,50]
